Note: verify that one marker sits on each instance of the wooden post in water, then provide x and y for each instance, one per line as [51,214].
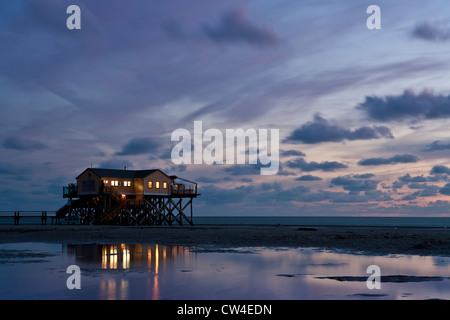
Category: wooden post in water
[44,218]
[16,217]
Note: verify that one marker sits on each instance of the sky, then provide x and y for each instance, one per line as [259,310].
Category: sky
[362,114]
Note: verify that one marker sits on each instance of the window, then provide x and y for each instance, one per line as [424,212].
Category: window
[150,184]
[157,184]
[165,185]
[127,183]
[114,183]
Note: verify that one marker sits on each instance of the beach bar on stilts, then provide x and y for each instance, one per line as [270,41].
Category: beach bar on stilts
[128,197]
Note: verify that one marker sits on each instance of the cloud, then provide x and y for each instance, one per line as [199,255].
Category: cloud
[364,176]
[175,30]
[431,32]
[273,195]
[408,179]
[321,130]
[116,164]
[408,106]
[236,26]
[438,173]
[398,158]
[355,185]
[204,179]
[288,153]
[17,143]
[253,169]
[440,170]
[244,169]
[445,190]
[425,191]
[300,163]
[436,146]
[308,177]
[140,146]
[7,168]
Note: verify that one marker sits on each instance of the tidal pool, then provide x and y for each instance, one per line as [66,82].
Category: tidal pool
[151,271]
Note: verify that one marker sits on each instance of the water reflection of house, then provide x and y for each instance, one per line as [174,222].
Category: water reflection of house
[149,257]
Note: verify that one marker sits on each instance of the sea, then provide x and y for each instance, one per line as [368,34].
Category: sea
[430,222]
[437,222]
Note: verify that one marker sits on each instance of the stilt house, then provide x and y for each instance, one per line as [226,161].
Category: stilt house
[110,196]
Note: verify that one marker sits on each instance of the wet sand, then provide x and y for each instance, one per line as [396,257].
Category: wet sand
[365,240]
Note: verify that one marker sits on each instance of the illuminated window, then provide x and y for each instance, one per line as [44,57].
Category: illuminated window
[127,183]
[114,183]
[165,185]
[157,184]
[150,184]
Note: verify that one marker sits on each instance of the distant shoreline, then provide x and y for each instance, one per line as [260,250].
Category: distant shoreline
[375,221]
[379,240]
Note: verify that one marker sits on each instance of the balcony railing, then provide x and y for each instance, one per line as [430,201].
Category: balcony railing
[70,191]
[183,189]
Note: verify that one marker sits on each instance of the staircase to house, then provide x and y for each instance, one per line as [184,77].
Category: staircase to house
[64,210]
[114,211]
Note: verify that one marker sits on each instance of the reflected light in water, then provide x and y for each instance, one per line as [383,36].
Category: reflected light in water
[114,255]
[150,258]
[142,271]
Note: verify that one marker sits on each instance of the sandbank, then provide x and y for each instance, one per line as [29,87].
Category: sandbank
[363,240]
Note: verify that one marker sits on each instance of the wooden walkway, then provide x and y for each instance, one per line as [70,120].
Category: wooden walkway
[27,216]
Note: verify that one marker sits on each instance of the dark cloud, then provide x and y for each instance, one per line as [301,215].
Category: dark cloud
[177,168]
[288,153]
[308,177]
[236,26]
[408,179]
[398,158]
[397,184]
[425,190]
[417,185]
[244,169]
[431,32]
[273,194]
[140,146]
[17,143]
[436,146]
[364,176]
[445,190]
[204,179]
[408,106]
[300,163]
[252,169]
[321,130]
[440,170]
[355,185]
[438,173]
[116,164]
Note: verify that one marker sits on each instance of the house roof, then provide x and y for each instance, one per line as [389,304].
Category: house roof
[127,174]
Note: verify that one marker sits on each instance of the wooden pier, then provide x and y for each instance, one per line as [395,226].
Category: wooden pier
[42,216]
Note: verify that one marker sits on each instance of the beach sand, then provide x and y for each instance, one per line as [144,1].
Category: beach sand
[365,240]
